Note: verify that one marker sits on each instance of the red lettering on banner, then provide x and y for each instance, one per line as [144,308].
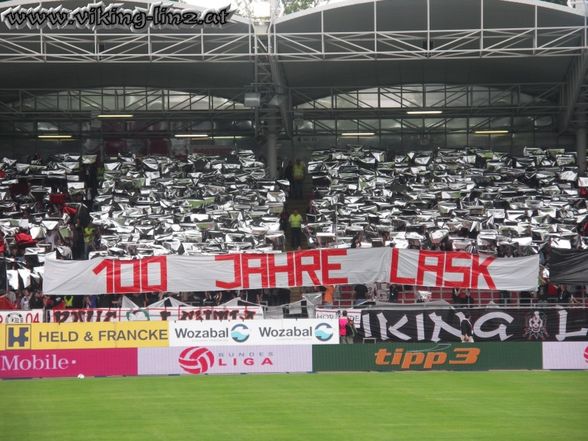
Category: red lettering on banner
[140,274]
[118,286]
[394,277]
[309,268]
[274,269]
[332,266]
[481,269]
[154,260]
[236,283]
[452,269]
[108,265]
[424,267]
[247,270]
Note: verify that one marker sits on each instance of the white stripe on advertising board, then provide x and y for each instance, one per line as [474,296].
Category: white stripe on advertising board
[197,360]
[17,316]
[254,332]
[565,355]
[354,314]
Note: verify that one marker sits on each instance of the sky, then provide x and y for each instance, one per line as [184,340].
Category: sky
[221,3]
[208,3]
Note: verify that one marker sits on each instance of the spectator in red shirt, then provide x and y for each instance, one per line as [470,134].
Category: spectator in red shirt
[3,246]
[552,292]
[24,239]
[22,188]
[59,303]
[71,211]
[583,228]
[5,303]
[57,198]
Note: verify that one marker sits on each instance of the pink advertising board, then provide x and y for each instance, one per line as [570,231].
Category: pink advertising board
[68,363]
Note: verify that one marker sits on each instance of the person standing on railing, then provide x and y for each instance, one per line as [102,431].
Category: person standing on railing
[295,221]
[298,172]
[289,175]
[360,293]
[394,290]
[328,294]
[564,294]
[345,330]
[466,330]
[350,330]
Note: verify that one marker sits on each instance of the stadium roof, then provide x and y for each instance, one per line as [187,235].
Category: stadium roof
[27,62]
[358,24]
[355,44]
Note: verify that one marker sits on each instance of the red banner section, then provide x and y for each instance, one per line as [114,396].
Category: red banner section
[68,363]
[156,314]
[301,268]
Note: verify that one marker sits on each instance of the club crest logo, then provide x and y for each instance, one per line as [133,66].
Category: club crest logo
[536,326]
[14,317]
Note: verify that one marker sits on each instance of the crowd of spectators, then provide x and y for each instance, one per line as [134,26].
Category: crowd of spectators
[450,200]
[80,206]
[44,213]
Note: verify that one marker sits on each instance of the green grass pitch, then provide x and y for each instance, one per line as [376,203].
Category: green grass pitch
[497,406]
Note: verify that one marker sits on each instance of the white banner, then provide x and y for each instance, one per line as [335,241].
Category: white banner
[330,313]
[142,314]
[254,332]
[32,316]
[208,360]
[463,270]
[331,266]
[565,355]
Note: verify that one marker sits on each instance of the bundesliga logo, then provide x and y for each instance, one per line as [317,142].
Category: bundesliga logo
[196,360]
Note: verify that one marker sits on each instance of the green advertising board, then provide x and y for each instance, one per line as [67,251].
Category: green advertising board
[427,356]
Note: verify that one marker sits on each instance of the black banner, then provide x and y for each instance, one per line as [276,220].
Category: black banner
[497,324]
[569,266]
[3,276]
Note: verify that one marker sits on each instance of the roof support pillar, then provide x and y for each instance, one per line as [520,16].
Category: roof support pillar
[281,87]
[271,148]
[581,142]
[570,90]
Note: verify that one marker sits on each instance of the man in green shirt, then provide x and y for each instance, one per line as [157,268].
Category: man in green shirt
[295,221]
[298,172]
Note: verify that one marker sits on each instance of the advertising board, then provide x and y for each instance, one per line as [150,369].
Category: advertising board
[565,355]
[224,360]
[85,335]
[427,356]
[254,332]
[68,363]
